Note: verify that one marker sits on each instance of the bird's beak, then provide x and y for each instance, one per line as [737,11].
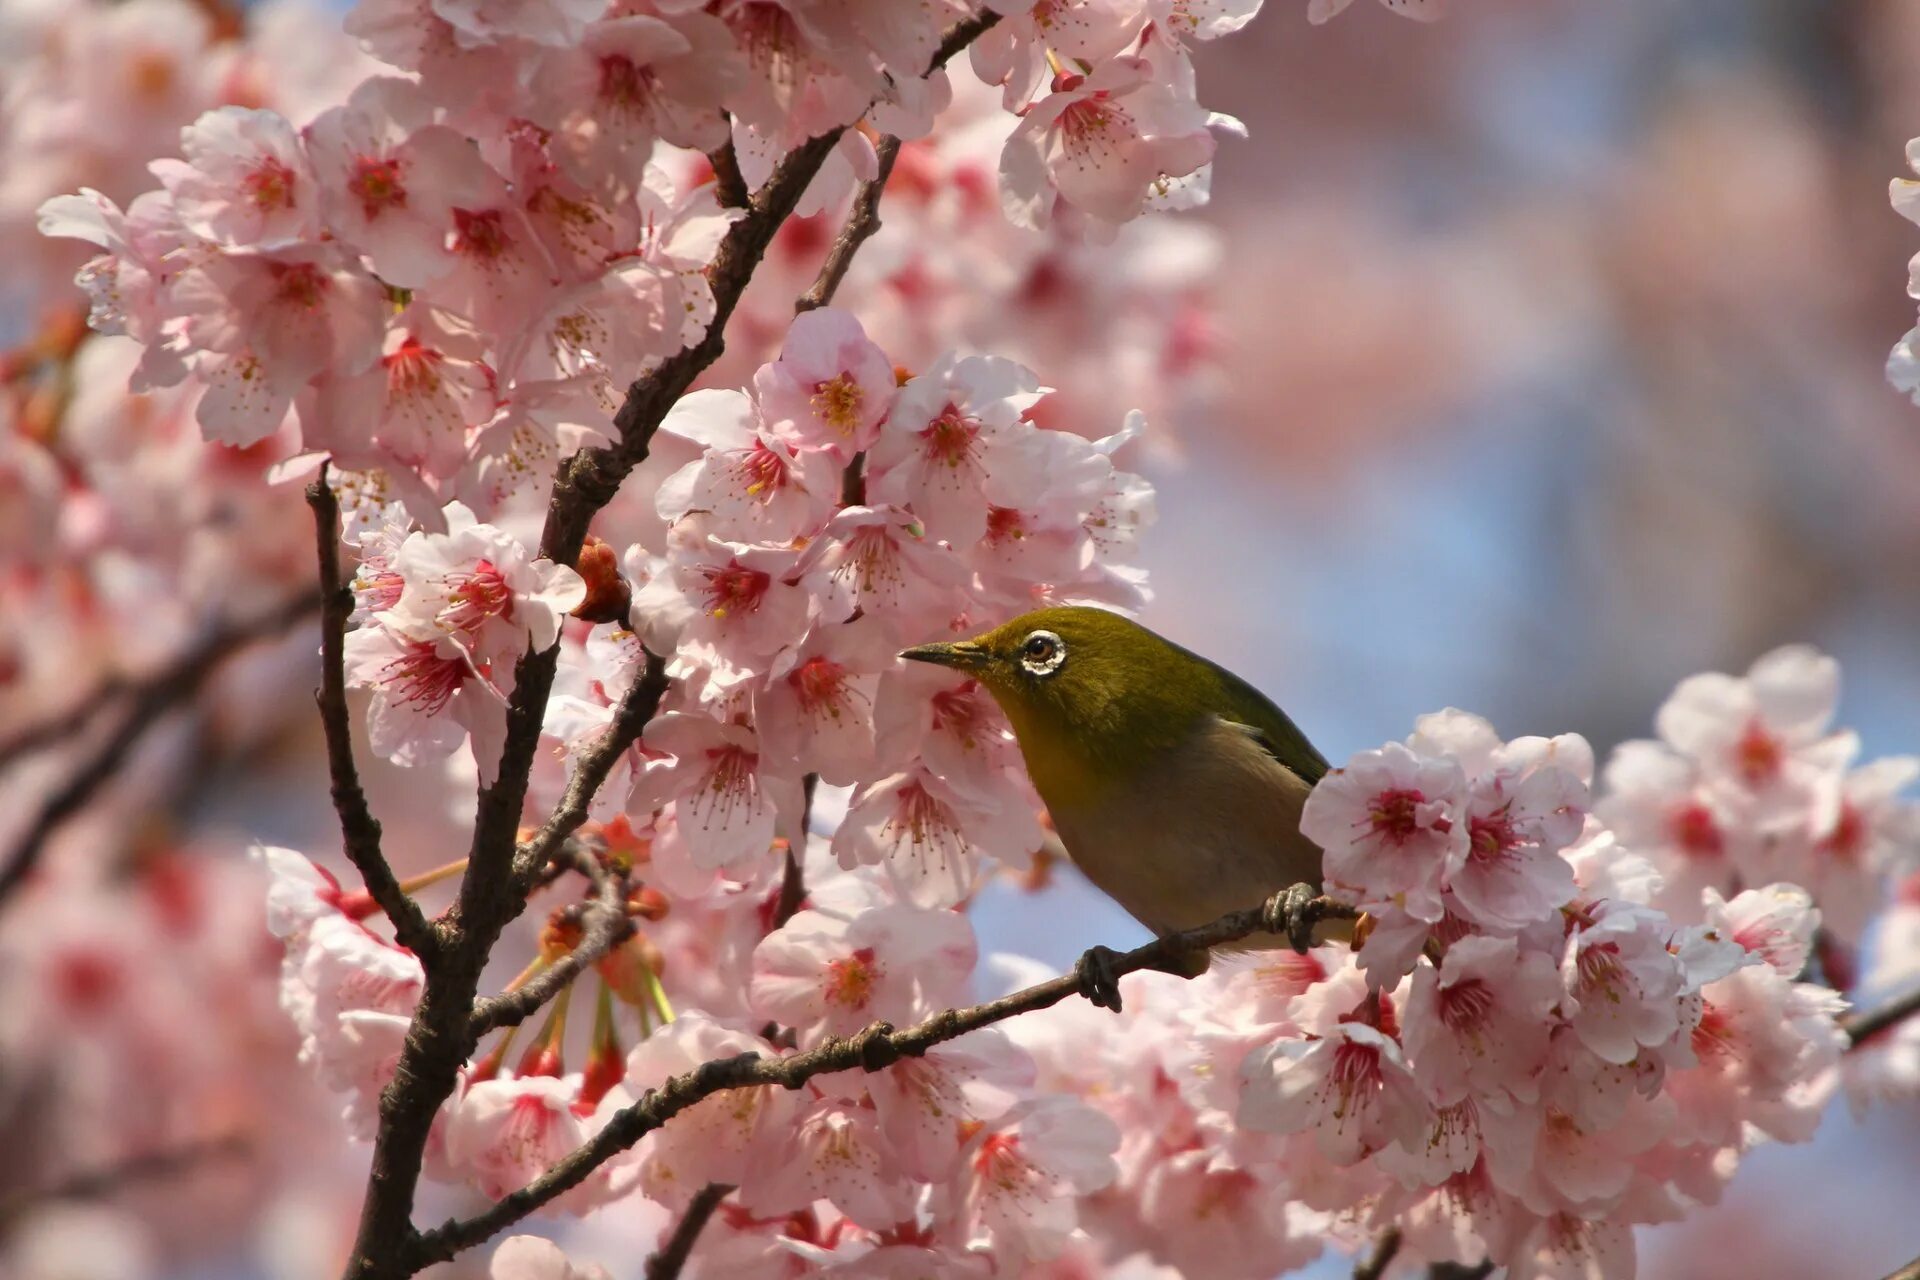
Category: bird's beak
[963,654]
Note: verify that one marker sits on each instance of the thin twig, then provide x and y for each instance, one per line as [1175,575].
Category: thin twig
[604,925]
[1862,1024]
[359,829]
[728,186]
[151,699]
[874,1049]
[1380,1257]
[630,719]
[862,222]
[672,1257]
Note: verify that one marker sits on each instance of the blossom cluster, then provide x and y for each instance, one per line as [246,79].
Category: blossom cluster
[1532,1045]
[447,279]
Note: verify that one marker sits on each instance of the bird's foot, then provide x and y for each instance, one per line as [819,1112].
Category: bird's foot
[1098,982]
[1293,913]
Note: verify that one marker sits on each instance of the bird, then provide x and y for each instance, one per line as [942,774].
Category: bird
[1175,786]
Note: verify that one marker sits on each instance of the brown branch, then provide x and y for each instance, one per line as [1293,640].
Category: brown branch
[672,1257]
[150,700]
[729,187]
[1863,1024]
[862,222]
[604,925]
[359,829]
[95,1184]
[1380,1257]
[1460,1270]
[874,1049]
[440,1038]
[630,720]
[1909,1272]
[65,723]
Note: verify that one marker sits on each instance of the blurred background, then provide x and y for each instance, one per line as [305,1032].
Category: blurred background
[1550,344]
[1544,369]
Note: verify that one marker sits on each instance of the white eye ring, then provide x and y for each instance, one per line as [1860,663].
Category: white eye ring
[1042,652]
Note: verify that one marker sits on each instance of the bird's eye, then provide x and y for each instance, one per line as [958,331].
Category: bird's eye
[1042,653]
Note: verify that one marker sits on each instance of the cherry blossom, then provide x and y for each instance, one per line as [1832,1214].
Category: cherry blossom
[532,1258]
[831,387]
[1389,821]
[840,973]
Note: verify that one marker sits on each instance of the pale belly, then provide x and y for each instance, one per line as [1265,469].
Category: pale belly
[1189,842]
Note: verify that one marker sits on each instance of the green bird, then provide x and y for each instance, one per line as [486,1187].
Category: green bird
[1175,785]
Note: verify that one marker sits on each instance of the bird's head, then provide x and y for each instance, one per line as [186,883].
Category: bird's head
[1085,689]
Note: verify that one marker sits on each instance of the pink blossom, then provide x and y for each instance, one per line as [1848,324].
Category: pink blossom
[1480,1022]
[244,182]
[625,83]
[930,837]
[819,716]
[388,187]
[532,1258]
[127,286]
[1776,924]
[351,997]
[1099,143]
[927,1105]
[477,586]
[831,387]
[1013,53]
[837,1153]
[419,401]
[428,696]
[1351,1089]
[880,561]
[545,22]
[1389,822]
[501,1134]
[715,1140]
[753,487]
[726,610]
[711,771]
[260,326]
[1620,982]
[839,973]
[298,893]
[1319,11]
[1022,1171]
[951,445]
[1762,740]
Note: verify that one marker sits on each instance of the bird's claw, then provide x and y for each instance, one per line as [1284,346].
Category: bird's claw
[1292,913]
[1098,982]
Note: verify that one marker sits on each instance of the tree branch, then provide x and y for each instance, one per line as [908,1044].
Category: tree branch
[151,699]
[95,1184]
[1380,1257]
[874,1049]
[630,720]
[729,187]
[69,721]
[440,1038]
[1863,1024]
[604,925]
[1909,1272]
[862,222]
[667,1263]
[1460,1270]
[359,829]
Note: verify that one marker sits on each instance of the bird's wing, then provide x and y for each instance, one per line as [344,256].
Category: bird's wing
[1282,740]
